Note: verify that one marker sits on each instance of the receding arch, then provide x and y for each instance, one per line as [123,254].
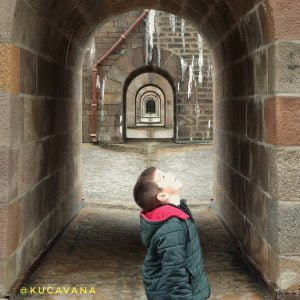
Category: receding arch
[132,64]
[149,85]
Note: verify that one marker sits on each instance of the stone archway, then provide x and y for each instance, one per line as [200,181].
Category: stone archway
[124,70]
[149,91]
[255,44]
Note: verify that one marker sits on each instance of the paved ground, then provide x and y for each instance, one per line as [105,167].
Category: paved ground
[101,248]
[110,172]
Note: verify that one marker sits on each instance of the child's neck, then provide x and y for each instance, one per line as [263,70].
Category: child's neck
[174,199]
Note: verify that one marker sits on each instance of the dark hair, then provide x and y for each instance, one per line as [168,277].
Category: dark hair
[145,190]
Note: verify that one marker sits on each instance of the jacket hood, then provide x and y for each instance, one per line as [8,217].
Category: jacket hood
[152,220]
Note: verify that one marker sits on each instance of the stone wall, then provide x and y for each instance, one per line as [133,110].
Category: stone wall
[257,143]
[194,120]
[40,138]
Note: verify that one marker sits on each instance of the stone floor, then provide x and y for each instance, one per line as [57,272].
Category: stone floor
[101,249]
[107,170]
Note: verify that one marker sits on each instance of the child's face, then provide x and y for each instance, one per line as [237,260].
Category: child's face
[167,181]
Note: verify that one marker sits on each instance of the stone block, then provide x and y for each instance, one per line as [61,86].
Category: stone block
[252,31]
[10,68]
[284,176]
[59,108]
[240,195]
[55,189]
[73,113]
[254,119]
[113,98]
[261,211]
[7,12]
[27,72]
[31,247]
[289,277]
[234,116]
[267,23]
[8,273]
[271,223]
[3,230]
[289,228]
[78,170]
[115,133]
[186,98]
[4,120]
[38,118]
[259,165]
[184,131]
[13,227]
[286,13]
[33,162]
[232,152]
[246,239]
[186,120]
[72,145]
[113,87]
[86,124]
[244,156]
[221,17]
[239,10]
[53,224]
[11,120]
[274,264]
[116,74]
[57,151]
[16,123]
[114,109]
[282,121]
[33,210]
[125,64]
[235,46]
[8,174]
[45,77]
[260,250]
[72,204]
[260,70]
[283,66]
[173,66]
[69,176]
[185,109]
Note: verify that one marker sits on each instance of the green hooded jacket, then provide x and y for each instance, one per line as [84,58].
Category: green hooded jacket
[173,265]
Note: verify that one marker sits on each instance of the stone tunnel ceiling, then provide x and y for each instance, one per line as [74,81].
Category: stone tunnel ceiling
[256,95]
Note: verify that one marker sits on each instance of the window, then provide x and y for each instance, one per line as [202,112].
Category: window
[150,106]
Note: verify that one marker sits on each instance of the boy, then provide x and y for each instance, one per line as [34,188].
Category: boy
[173,265]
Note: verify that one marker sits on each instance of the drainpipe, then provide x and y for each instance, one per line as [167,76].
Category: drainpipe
[93,133]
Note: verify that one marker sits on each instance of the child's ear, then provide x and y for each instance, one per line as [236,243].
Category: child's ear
[161,197]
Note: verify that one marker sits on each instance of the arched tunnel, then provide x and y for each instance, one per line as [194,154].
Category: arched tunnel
[255,51]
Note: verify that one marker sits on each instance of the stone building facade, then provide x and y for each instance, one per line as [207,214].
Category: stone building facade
[165,45]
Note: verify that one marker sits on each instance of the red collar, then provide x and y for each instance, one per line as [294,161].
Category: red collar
[164,212]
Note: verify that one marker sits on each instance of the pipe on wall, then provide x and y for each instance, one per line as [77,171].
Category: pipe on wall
[93,133]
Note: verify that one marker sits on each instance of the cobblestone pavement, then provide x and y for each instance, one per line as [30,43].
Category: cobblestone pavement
[101,248]
[110,171]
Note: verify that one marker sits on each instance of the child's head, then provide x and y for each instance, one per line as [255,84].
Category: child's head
[155,188]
